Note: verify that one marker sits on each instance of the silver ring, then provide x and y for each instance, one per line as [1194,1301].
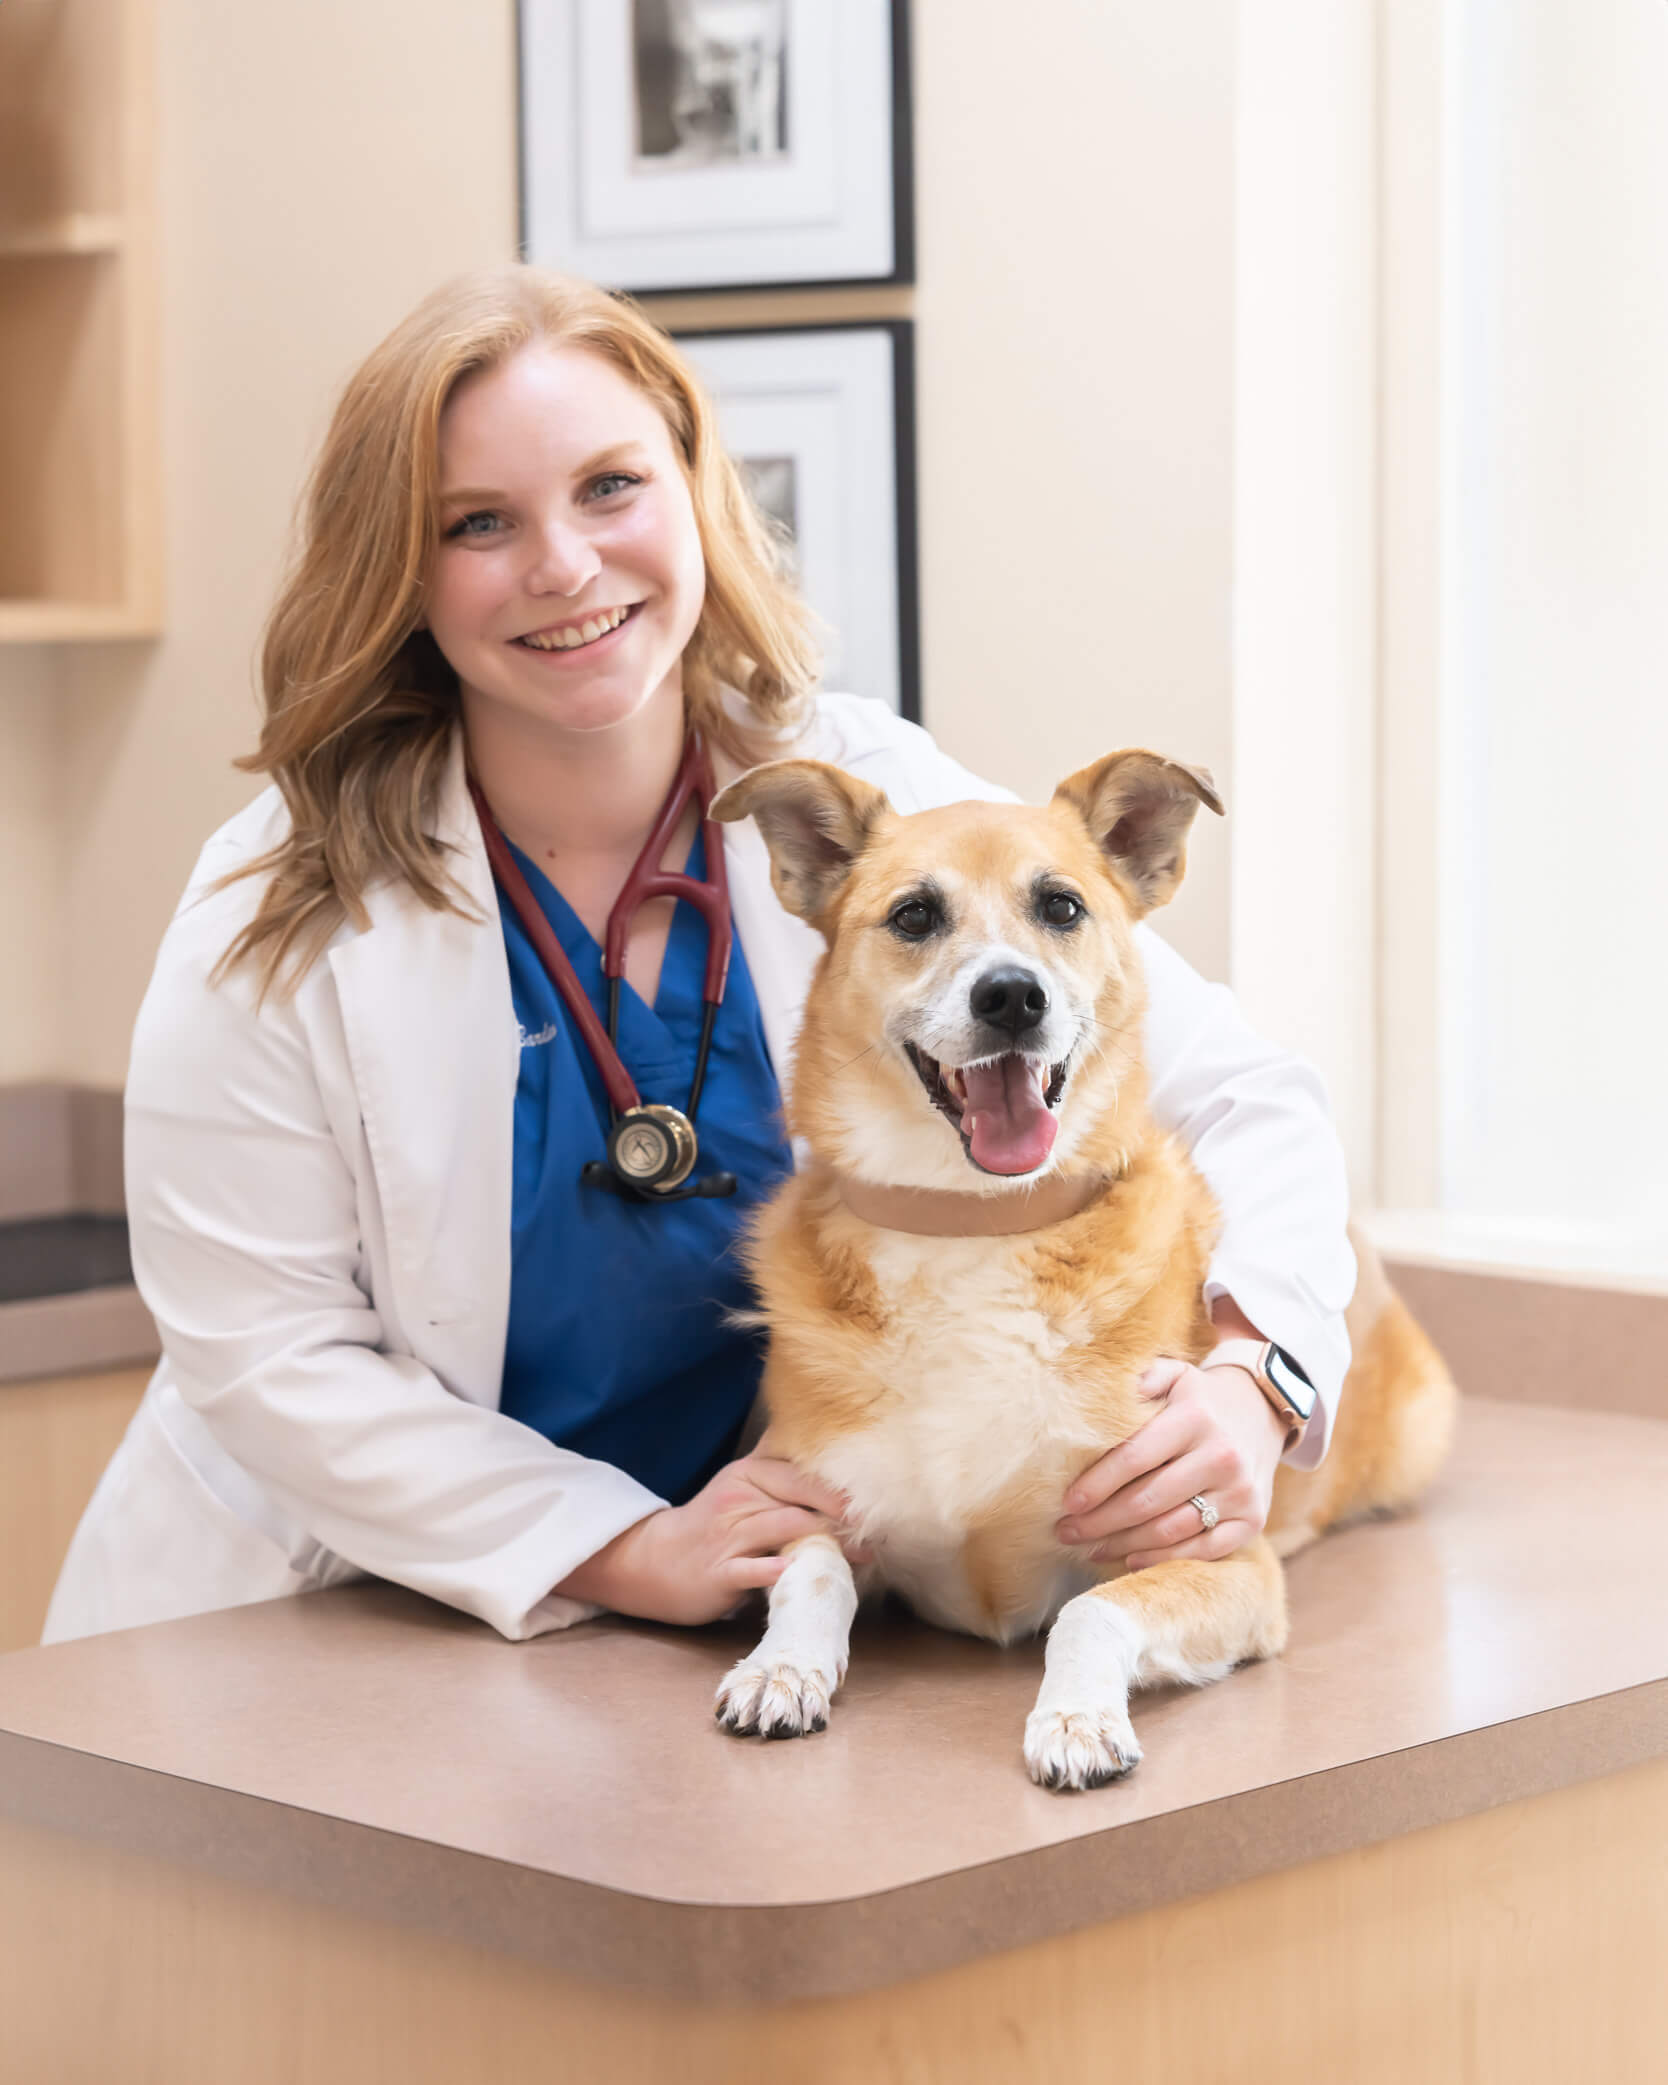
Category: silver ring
[1207,1512]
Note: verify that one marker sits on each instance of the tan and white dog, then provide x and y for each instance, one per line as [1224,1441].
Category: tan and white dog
[993,1241]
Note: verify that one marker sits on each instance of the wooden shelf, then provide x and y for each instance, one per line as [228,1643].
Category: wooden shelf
[82,232]
[74,622]
[81,525]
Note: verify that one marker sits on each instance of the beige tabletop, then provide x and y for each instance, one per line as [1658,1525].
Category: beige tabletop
[571,1800]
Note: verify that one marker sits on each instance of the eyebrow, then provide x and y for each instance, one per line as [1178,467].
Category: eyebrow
[592,467]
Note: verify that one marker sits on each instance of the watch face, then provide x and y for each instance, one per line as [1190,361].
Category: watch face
[1293,1385]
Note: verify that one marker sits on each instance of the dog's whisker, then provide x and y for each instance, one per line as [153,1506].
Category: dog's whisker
[858,1059]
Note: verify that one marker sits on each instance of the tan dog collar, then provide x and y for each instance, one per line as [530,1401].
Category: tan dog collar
[930,1212]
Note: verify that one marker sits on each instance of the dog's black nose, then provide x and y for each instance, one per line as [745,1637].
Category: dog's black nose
[1010,999]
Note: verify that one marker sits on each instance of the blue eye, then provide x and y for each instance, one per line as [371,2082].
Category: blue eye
[467,525]
[611,481]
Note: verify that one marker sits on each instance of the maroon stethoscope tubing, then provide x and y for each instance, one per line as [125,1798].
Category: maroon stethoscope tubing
[647,880]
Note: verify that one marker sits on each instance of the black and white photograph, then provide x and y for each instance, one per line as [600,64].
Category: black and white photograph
[708,79]
[820,421]
[774,483]
[716,144]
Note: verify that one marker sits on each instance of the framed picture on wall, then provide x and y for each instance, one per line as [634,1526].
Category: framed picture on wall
[821,421]
[717,144]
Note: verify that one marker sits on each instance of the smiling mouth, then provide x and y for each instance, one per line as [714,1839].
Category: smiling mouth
[1002,1108]
[573,637]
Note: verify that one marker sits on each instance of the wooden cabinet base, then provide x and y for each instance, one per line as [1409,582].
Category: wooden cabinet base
[1525,1943]
[55,1439]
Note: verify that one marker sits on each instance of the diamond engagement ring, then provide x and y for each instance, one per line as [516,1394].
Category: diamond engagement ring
[1207,1512]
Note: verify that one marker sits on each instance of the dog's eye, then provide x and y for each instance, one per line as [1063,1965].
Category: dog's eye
[1061,909]
[914,918]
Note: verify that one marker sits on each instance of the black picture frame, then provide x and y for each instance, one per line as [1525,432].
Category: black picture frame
[554,148]
[869,445]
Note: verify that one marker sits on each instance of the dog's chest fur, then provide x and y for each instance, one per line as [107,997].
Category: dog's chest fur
[983,1411]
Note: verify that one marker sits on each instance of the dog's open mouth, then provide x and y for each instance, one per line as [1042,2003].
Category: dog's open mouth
[1002,1109]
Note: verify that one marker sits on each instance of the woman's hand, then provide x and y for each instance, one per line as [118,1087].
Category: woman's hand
[691,1564]
[1216,1435]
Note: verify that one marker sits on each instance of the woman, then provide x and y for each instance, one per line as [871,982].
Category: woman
[401,1334]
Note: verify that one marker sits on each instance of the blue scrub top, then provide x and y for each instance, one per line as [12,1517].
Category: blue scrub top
[618,1346]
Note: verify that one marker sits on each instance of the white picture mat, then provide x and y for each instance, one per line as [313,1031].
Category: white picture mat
[827,400]
[617,197]
[824,212]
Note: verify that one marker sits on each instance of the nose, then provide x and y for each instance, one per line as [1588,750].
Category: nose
[1012,999]
[565,561]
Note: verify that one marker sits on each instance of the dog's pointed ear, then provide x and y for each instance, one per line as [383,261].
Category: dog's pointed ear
[1139,808]
[816,821]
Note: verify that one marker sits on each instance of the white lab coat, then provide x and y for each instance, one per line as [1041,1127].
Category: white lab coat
[320,1191]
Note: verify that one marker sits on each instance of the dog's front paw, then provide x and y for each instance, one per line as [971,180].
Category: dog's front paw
[1081,1748]
[774,1698]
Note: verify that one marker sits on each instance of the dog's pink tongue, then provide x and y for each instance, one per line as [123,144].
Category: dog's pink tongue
[1007,1120]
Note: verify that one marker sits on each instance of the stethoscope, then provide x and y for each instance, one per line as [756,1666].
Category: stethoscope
[651,1147]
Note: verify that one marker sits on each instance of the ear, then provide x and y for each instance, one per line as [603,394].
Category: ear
[1139,807]
[816,821]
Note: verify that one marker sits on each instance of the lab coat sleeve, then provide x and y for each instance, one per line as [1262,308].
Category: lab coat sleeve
[1256,1122]
[1254,1117]
[245,1220]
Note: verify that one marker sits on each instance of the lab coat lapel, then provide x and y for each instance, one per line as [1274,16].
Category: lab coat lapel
[431,1035]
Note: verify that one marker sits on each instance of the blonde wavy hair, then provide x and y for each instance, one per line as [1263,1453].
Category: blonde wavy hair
[360,704]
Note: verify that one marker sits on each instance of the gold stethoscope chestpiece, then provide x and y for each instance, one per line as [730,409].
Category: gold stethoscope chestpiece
[652,1148]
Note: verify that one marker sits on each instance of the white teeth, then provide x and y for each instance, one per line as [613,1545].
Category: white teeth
[956,1080]
[587,633]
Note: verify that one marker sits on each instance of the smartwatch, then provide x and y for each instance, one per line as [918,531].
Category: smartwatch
[1276,1375]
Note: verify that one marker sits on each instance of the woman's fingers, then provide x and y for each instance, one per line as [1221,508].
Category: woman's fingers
[1162,1377]
[749,1574]
[775,1527]
[789,1485]
[1168,1513]
[1161,1440]
[1158,1499]
[1136,1472]
[1222,1541]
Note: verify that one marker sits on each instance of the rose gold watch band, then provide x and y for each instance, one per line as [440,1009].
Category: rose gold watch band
[1252,1356]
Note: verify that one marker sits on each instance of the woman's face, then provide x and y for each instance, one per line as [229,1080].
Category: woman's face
[569,575]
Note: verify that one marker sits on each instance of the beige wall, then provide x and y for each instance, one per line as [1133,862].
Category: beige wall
[1076,368]
[30,858]
[324,163]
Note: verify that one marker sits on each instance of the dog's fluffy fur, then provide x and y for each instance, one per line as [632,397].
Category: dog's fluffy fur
[953,1386]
